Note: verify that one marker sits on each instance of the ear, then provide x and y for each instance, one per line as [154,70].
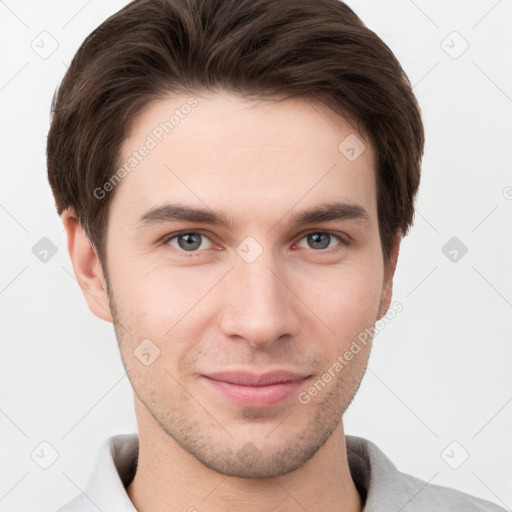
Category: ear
[389,272]
[87,267]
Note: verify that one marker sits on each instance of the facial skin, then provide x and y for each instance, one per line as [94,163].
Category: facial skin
[296,307]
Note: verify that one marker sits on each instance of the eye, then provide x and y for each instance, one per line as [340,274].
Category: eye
[322,240]
[193,241]
[188,241]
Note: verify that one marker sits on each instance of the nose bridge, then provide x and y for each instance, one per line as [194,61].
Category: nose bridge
[257,305]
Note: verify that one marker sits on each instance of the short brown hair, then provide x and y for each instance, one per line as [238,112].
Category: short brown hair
[316,49]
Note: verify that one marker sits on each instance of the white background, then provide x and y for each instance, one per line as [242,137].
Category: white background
[440,371]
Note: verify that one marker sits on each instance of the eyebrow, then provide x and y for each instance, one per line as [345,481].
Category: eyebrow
[321,213]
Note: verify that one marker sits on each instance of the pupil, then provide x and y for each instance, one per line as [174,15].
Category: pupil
[320,240]
[189,241]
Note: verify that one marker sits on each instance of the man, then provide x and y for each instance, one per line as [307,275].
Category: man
[235,178]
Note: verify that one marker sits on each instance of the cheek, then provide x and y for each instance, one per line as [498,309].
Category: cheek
[171,305]
[345,300]
[160,304]
[148,292]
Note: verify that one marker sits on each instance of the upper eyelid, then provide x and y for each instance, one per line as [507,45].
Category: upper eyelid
[175,234]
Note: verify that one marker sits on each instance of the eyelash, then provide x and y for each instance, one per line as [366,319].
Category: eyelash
[344,240]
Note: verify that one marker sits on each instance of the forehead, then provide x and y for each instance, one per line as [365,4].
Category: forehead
[243,154]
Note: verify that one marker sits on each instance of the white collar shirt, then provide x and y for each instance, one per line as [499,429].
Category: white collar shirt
[382,486]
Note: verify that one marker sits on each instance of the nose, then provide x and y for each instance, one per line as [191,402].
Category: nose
[257,304]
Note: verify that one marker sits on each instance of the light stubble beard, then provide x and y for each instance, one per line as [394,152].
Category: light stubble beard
[255,458]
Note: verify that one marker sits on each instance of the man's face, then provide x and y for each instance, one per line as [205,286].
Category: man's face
[262,294]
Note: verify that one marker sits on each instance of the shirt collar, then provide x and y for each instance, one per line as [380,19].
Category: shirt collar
[373,473]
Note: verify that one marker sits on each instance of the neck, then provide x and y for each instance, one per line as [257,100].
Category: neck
[169,478]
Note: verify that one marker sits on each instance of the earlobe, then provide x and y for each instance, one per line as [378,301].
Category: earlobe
[389,272]
[87,267]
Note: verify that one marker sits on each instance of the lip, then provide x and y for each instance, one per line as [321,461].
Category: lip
[256,390]
[252,379]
